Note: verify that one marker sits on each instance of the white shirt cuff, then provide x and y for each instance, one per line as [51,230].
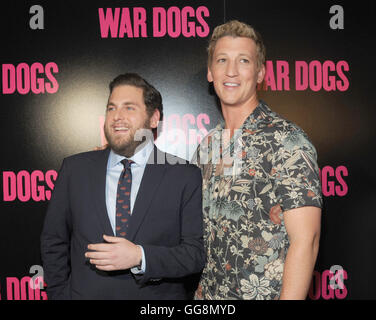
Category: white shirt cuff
[137,270]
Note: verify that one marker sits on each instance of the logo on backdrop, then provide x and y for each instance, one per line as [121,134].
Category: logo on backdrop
[332,181]
[23,78]
[26,186]
[309,75]
[164,22]
[329,284]
[26,288]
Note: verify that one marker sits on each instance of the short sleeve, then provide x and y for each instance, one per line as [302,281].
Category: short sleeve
[295,172]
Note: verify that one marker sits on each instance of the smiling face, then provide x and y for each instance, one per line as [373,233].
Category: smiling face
[234,73]
[125,114]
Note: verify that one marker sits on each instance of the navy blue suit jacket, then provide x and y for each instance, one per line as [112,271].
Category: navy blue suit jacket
[166,221]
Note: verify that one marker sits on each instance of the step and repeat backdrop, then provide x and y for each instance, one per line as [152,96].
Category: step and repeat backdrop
[58,57]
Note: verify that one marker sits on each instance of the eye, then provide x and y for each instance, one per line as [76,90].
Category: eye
[221,60]
[244,60]
[110,108]
[130,108]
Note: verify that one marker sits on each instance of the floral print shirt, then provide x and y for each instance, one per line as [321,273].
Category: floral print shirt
[266,166]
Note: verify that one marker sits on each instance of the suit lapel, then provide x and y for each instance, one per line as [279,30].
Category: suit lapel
[150,182]
[98,180]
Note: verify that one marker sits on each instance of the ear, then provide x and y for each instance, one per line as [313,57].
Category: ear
[209,76]
[155,119]
[261,74]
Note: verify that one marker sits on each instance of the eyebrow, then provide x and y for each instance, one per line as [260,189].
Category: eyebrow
[226,54]
[126,103]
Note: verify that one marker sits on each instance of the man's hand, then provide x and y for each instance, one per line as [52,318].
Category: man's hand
[101,148]
[116,254]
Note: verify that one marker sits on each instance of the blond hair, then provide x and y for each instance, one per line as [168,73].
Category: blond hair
[235,28]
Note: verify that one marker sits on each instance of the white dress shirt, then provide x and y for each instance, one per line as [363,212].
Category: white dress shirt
[114,169]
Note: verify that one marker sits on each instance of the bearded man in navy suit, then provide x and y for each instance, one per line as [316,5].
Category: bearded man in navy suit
[91,250]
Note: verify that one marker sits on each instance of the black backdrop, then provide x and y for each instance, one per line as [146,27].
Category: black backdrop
[76,63]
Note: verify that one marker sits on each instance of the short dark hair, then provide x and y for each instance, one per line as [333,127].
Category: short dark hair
[152,97]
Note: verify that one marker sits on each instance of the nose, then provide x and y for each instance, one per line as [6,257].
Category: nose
[118,114]
[231,69]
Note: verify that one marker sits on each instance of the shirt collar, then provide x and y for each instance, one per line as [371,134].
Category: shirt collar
[140,158]
[258,113]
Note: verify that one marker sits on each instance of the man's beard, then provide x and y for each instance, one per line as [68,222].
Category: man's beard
[129,146]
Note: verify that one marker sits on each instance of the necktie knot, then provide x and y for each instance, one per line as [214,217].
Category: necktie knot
[127,163]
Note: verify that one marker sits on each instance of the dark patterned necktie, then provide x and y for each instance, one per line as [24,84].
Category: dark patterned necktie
[123,199]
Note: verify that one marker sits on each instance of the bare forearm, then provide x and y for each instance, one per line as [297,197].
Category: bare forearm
[298,268]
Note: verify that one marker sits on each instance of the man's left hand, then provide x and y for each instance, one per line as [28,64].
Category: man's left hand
[117,254]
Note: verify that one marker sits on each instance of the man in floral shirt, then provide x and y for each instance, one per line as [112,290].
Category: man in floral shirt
[261,189]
